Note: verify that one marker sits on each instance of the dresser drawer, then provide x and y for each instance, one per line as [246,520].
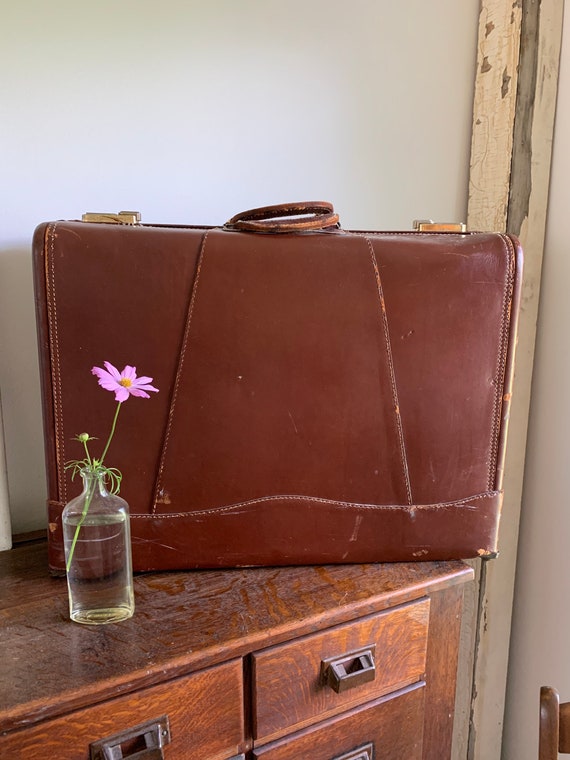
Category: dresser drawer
[205,715]
[389,728]
[325,673]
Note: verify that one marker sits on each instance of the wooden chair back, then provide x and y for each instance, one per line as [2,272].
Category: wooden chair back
[554,726]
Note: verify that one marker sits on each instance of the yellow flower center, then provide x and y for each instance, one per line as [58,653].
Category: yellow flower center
[125,382]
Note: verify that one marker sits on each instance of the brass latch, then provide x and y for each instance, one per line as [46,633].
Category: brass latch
[123,217]
[428,225]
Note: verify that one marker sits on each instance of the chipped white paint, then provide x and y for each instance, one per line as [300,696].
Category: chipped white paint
[494,107]
[493,114]
[487,621]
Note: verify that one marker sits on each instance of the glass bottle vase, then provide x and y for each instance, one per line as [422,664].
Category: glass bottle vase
[97,541]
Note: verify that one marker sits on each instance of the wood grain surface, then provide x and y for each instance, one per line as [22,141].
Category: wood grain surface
[205,713]
[287,678]
[58,677]
[183,622]
[393,725]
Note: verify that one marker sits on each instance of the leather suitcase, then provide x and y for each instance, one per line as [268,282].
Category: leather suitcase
[326,396]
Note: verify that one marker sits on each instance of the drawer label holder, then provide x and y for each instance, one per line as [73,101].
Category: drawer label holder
[362,753]
[142,742]
[349,670]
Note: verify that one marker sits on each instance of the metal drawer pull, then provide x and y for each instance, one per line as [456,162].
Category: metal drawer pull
[362,753]
[349,670]
[142,742]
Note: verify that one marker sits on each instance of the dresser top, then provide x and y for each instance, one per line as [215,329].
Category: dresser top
[183,621]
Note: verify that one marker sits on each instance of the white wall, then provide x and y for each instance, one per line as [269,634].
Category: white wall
[539,644]
[192,111]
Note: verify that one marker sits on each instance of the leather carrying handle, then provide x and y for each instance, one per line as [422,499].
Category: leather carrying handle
[305,216]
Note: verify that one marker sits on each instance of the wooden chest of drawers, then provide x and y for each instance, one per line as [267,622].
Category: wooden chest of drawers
[353,662]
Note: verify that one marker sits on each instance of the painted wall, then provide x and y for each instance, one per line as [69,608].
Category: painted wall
[541,616]
[191,111]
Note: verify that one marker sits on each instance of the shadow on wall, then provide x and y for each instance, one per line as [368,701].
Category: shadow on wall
[5,525]
[20,391]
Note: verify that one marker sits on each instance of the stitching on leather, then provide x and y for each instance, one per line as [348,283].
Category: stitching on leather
[503,339]
[403,456]
[55,361]
[468,500]
[465,502]
[179,372]
[501,359]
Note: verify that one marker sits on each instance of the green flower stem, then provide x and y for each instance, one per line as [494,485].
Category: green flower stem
[87,452]
[91,493]
[112,433]
[88,501]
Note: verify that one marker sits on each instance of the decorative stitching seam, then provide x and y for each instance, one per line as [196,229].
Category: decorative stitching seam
[466,502]
[503,339]
[179,373]
[501,359]
[55,360]
[404,460]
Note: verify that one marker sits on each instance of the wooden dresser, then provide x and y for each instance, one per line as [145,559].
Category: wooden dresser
[351,662]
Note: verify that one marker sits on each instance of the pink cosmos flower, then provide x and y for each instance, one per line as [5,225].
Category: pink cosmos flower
[123,384]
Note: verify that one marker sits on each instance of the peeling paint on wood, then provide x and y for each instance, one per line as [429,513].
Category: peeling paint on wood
[505,85]
[521,181]
[510,172]
[493,113]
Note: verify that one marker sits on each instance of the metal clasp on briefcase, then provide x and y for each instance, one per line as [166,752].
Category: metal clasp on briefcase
[123,217]
[428,225]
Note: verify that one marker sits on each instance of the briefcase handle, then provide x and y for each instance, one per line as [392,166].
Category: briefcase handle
[286,217]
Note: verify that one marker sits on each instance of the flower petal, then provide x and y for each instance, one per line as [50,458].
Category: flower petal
[106,380]
[130,372]
[144,387]
[121,394]
[112,370]
[98,371]
[138,392]
[109,385]
[112,380]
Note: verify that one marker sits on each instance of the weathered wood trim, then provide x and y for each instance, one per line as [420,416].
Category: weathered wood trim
[494,106]
[468,636]
[520,183]
[513,124]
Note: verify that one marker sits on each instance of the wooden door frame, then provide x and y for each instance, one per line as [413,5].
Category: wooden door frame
[514,107]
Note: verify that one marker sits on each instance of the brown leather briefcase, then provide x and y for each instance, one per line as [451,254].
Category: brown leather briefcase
[325,396]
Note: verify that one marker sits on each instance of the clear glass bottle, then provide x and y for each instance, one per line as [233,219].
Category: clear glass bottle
[96,532]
